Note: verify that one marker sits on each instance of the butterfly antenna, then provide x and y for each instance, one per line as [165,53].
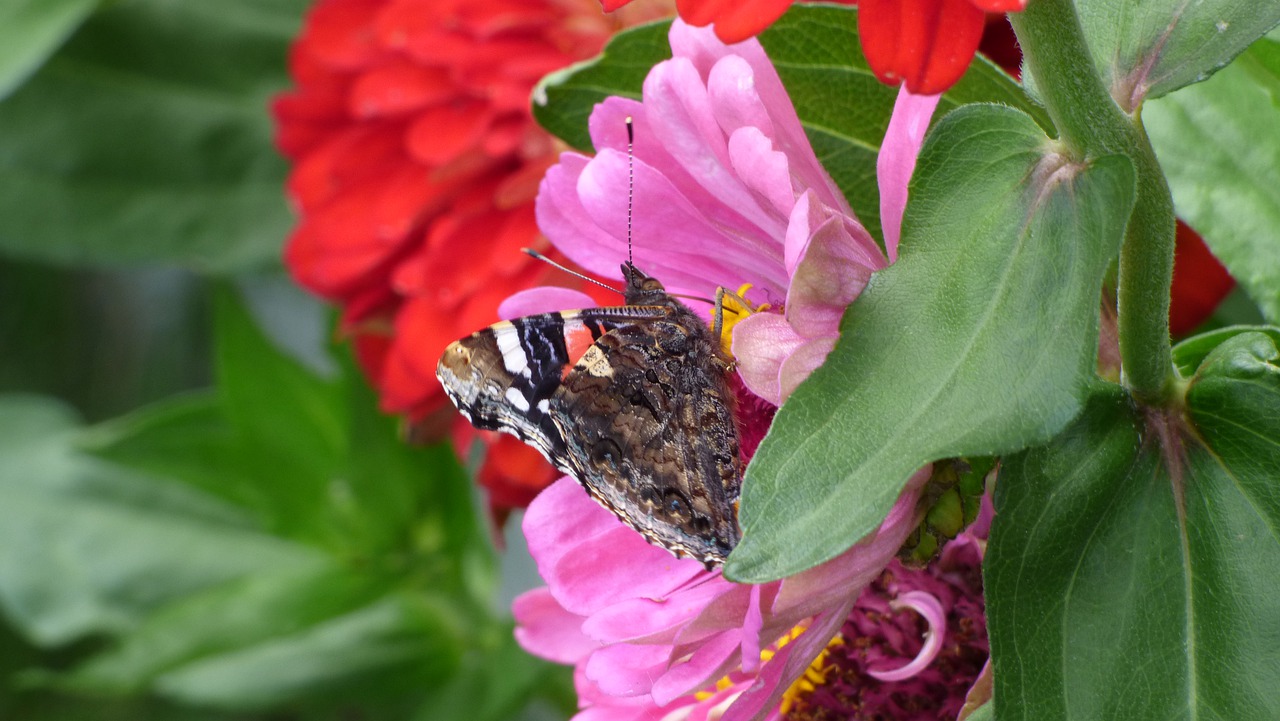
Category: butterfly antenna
[539,256]
[631,181]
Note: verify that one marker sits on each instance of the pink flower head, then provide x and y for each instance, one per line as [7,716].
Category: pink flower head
[727,192]
[646,630]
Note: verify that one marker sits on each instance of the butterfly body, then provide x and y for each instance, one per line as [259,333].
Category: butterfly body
[643,418]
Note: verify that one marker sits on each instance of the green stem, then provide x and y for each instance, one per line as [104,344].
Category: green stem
[1090,124]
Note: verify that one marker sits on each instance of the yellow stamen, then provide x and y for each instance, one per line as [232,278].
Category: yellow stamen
[734,307]
[812,678]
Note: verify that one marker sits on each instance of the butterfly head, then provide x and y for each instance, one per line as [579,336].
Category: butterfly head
[643,289]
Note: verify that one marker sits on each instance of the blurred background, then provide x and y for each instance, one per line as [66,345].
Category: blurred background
[232,244]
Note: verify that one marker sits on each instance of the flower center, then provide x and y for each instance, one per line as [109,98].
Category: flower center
[733,307]
[910,649]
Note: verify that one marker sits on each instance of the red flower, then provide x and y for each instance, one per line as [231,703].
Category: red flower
[927,44]
[416,162]
[1199,282]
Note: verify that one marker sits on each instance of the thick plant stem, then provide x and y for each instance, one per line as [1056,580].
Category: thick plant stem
[1091,125]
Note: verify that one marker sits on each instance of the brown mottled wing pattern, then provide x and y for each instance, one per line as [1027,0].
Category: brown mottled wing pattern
[648,420]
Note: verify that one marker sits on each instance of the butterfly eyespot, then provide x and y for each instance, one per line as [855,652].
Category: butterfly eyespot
[674,503]
[606,452]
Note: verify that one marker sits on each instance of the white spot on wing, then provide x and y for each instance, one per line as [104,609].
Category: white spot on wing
[513,356]
[517,399]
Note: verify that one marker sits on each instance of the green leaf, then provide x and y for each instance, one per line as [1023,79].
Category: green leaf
[1145,50]
[167,156]
[215,622]
[1127,582]
[1219,148]
[845,111]
[30,31]
[394,645]
[496,684]
[978,341]
[563,100]
[843,108]
[87,547]
[1190,353]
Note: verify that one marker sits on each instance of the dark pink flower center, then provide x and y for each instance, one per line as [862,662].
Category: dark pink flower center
[883,634]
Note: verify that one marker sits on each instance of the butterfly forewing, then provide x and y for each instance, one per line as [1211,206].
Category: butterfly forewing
[630,400]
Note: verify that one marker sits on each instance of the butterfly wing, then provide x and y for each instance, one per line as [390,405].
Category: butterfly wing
[503,378]
[647,422]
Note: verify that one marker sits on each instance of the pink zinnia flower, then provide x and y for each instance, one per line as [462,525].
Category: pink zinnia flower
[727,192]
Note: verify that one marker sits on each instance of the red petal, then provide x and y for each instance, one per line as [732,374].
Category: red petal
[340,33]
[443,133]
[611,5]
[398,88]
[746,19]
[702,12]
[1199,282]
[1000,6]
[926,43]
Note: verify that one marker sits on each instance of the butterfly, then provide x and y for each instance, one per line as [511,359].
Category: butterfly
[633,401]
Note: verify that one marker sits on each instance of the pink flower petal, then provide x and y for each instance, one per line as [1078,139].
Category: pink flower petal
[751,627]
[701,47]
[897,160]
[627,669]
[674,240]
[713,658]
[787,665]
[545,629]
[761,343]
[595,560]
[734,100]
[544,299]
[830,273]
[763,169]
[654,146]
[809,592]
[802,362]
[652,619]
[931,610]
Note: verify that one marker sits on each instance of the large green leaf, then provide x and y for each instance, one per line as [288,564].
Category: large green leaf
[399,643]
[1220,149]
[1132,577]
[841,105]
[31,30]
[87,547]
[146,139]
[1150,48]
[979,340]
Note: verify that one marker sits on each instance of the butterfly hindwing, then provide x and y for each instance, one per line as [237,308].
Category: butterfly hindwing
[650,431]
[630,400]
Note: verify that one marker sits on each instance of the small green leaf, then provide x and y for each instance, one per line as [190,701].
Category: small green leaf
[563,100]
[1190,353]
[146,139]
[843,108]
[1219,148]
[87,547]
[30,31]
[978,341]
[1127,582]
[1145,50]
